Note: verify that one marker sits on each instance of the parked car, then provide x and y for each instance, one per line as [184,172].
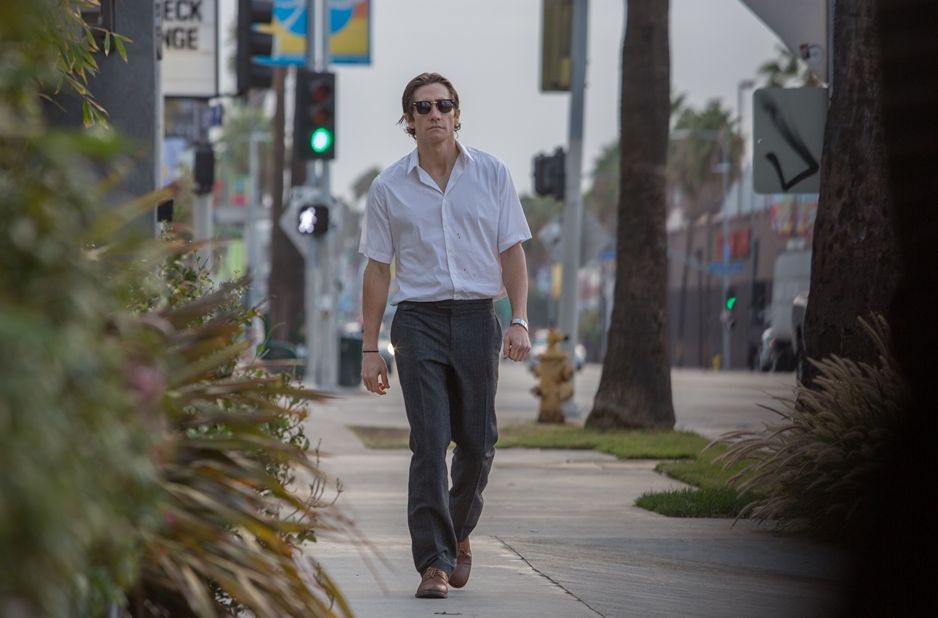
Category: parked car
[775,352]
[539,346]
[799,307]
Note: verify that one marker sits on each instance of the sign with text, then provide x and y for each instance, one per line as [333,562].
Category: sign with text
[190,48]
[349,32]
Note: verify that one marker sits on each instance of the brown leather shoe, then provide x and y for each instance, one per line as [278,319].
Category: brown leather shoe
[433,584]
[463,565]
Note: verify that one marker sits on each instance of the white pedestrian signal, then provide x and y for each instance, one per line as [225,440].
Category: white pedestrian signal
[313,220]
[307,220]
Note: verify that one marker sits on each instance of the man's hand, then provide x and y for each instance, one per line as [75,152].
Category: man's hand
[375,374]
[516,344]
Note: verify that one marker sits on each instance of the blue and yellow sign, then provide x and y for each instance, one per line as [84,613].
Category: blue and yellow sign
[349,27]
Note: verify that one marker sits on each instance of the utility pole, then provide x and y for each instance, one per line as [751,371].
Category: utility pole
[573,209]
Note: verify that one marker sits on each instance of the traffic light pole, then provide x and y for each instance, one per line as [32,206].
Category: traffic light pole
[330,341]
[311,259]
[573,210]
[321,343]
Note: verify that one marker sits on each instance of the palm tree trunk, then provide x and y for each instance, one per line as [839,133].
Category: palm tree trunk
[895,560]
[635,386]
[286,264]
[854,232]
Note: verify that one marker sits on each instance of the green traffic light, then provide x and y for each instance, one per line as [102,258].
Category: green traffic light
[730,302]
[321,140]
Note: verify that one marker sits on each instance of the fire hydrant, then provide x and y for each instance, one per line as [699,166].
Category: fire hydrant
[555,373]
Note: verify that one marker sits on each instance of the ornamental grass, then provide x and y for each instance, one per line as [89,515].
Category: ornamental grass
[813,470]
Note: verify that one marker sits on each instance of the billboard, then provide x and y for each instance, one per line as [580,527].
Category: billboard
[349,27]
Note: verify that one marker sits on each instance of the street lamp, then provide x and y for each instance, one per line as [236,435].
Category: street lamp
[747,84]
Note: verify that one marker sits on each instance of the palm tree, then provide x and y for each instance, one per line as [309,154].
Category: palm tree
[603,197]
[362,182]
[635,385]
[285,284]
[855,262]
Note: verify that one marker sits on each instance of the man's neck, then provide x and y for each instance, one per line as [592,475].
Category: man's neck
[438,158]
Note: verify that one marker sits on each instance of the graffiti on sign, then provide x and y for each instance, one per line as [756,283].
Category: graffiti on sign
[788,128]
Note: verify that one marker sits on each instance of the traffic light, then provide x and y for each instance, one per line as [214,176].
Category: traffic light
[204,172]
[313,220]
[730,301]
[253,14]
[728,315]
[314,116]
[556,37]
[550,174]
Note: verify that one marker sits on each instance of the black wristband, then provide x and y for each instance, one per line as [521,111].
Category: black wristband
[367,351]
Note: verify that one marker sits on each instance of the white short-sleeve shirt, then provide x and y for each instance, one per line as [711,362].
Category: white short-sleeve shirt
[445,244]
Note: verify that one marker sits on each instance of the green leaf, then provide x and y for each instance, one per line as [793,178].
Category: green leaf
[119,44]
[87,114]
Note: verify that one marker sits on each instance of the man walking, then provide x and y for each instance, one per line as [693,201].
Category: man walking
[450,218]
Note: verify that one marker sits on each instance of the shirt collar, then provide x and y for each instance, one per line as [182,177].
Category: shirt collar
[413,160]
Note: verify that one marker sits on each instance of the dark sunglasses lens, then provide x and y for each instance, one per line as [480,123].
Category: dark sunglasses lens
[423,107]
[445,106]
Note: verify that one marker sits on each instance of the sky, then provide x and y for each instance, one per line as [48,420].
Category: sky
[490,50]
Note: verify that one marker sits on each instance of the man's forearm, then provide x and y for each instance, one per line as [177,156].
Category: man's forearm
[376,281]
[515,278]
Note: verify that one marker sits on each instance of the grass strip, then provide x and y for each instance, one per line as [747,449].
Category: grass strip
[711,495]
[693,502]
[702,471]
[624,444]
[382,437]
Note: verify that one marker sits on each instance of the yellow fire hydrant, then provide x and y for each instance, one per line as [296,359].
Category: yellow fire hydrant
[555,373]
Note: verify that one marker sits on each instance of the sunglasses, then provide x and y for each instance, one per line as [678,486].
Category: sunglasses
[444,105]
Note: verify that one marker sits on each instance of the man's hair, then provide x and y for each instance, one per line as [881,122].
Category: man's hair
[407,100]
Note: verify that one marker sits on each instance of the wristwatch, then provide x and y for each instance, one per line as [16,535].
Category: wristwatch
[520,322]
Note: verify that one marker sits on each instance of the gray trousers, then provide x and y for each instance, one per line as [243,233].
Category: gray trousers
[447,362]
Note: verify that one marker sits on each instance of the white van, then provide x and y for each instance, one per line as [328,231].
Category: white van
[791,277]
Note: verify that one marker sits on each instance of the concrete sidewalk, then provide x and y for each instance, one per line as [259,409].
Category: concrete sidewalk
[559,536]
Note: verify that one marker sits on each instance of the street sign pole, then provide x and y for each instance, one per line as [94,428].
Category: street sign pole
[321,337]
[311,257]
[573,209]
